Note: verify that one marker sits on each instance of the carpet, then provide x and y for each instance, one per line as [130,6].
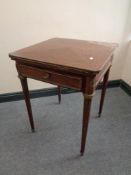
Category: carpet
[54,148]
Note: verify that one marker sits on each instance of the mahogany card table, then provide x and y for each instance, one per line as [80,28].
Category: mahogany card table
[77,64]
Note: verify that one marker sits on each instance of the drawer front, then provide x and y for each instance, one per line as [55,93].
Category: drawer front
[50,76]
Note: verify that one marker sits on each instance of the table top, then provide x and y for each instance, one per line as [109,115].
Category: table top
[68,53]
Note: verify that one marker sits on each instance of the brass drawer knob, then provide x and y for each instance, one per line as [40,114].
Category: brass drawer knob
[46,76]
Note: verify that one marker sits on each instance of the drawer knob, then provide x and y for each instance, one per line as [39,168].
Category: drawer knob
[46,76]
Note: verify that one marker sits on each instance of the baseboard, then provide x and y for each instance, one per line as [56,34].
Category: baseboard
[126,87]
[15,96]
[111,84]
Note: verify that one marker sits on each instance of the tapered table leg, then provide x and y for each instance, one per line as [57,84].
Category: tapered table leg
[86,116]
[59,94]
[27,101]
[105,82]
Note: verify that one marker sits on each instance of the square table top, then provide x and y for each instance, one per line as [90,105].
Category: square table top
[68,53]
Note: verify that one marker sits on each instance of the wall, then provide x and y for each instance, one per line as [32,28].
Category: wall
[28,22]
[126,73]
[126,76]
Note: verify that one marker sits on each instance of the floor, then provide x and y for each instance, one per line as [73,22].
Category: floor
[54,148]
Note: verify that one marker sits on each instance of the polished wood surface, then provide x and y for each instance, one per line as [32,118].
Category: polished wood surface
[69,63]
[85,122]
[105,82]
[27,100]
[68,53]
[50,76]
[59,94]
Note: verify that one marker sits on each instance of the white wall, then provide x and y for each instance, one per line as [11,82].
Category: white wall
[126,73]
[126,76]
[28,22]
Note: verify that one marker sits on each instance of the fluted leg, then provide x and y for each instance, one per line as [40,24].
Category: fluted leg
[86,116]
[59,94]
[27,101]
[105,82]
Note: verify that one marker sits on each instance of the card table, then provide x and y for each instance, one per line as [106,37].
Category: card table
[73,63]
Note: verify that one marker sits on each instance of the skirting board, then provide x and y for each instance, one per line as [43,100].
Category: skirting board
[15,96]
[126,87]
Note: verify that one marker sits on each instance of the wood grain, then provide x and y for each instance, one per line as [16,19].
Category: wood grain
[77,64]
[68,54]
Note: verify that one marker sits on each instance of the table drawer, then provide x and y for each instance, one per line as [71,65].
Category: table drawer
[50,76]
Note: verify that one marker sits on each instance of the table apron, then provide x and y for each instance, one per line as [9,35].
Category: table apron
[48,76]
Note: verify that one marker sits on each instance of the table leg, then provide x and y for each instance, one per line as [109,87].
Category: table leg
[59,94]
[105,82]
[86,116]
[27,100]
